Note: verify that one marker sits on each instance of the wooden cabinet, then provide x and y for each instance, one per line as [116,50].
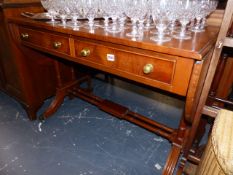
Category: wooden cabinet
[1,79]
[26,75]
[1,51]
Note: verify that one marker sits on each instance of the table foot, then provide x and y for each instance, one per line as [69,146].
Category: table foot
[61,94]
[41,117]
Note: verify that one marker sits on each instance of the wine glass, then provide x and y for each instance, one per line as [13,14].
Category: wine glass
[172,15]
[160,13]
[209,8]
[103,11]
[114,8]
[136,10]
[185,12]
[149,24]
[90,9]
[63,11]
[75,12]
[122,19]
[199,14]
[49,6]
[45,4]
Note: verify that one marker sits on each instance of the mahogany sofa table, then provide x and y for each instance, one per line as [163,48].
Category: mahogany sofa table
[177,67]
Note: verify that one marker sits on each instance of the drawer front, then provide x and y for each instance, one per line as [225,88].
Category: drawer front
[52,42]
[160,71]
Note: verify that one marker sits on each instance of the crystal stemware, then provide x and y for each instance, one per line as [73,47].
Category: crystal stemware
[199,14]
[114,8]
[172,16]
[122,19]
[75,13]
[104,12]
[49,6]
[185,13]
[160,12]
[210,7]
[63,11]
[90,9]
[149,24]
[136,10]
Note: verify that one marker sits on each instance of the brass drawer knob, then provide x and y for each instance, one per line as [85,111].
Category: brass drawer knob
[24,36]
[148,68]
[85,52]
[57,45]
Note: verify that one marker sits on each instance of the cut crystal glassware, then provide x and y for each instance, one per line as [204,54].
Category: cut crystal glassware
[171,18]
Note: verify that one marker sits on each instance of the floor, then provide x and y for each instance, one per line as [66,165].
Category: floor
[79,139]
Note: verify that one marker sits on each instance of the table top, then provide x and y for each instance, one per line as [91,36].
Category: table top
[195,48]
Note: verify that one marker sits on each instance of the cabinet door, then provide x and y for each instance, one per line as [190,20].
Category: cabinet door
[9,79]
[1,55]
[1,76]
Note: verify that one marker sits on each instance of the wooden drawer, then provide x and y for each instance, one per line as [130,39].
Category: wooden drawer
[45,40]
[157,70]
